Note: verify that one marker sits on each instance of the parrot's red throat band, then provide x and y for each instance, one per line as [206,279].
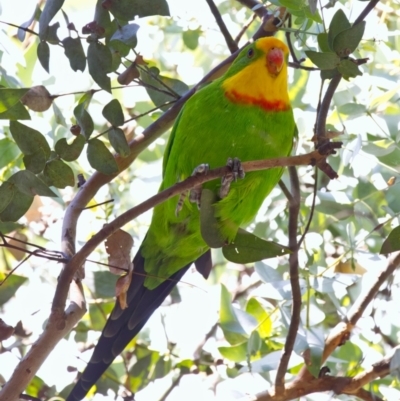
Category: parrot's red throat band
[267,105]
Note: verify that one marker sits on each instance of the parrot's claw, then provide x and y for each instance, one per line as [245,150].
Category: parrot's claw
[195,193]
[236,172]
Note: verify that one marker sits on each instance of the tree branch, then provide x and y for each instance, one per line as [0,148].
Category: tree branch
[294,208]
[232,45]
[339,385]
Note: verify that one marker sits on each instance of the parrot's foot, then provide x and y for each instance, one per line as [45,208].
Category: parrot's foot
[236,172]
[195,193]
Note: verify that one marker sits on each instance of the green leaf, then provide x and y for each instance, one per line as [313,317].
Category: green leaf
[236,353]
[51,34]
[338,24]
[83,118]
[100,158]
[209,225]
[28,139]
[294,5]
[35,162]
[118,141]
[191,38]
[247,248]
[16,112]
[43,54]
[352,109]
[329,74]
[70,152]
[233,331]
[324,61]
[348,69]
[126,34]
[347,41]
[392,242]
[103,19]
[102,283]
[100,64]
[158,90]
[10,97]
[50,10]
[29,184]
[10,286]
[7,190]
[59,174]
[98,313]
[254,343]
[128,9]
[8,152]
[18,206]
[74,51]
[314,365]
[112,111]
[323,42]
[255,309]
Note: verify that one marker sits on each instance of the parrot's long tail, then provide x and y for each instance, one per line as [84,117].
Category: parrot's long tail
[123,325]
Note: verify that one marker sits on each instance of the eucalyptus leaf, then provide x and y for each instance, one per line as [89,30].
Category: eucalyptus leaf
[338,24]
[59,174]
[347,41]
[118,141]
[100,158]
[247,248]
[36,161]
[70,152]
[74,51]
[100,64]
[112,111]
[324,61]
[127,35]
[28,139]
[84,119]
[49,11]
[392,242]
[9,97]
[348,69]
[43,54]
[231,326]
[128,9]
[17,207]
[162,89]
[29,184]
[7,190]
[8,152]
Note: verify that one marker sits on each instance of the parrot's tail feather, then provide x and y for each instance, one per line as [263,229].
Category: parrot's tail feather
[123,325]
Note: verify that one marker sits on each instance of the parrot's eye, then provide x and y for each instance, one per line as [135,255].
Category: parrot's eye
[250,53]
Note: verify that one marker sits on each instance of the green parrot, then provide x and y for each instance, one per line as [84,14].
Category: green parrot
[245,114]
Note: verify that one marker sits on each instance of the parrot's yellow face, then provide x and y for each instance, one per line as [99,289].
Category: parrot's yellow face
[266,60]
[276,54]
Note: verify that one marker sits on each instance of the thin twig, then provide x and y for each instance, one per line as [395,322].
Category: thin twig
[232,45]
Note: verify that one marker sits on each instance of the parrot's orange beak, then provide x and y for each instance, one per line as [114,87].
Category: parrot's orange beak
[275,60]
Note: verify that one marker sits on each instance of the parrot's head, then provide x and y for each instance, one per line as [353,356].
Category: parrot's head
[259,75]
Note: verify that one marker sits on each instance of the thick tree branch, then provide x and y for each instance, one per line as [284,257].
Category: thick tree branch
[294,208]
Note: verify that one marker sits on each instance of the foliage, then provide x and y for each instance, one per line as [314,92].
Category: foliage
[75,100]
